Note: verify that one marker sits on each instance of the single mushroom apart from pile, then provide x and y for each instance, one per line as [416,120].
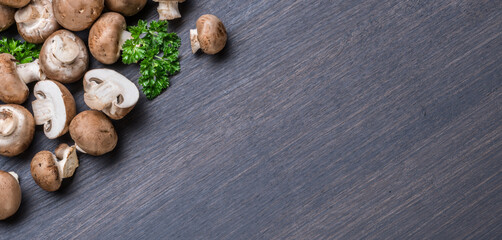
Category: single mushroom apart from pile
[210,35]
[93,133]
[107,36]
[77,15]
[10,194]
[54,108]
[168,9]
[6,17]
[14,3]
[110,92]
[48,170]
[36,21]
[64,57]
[125,7]
[17,127]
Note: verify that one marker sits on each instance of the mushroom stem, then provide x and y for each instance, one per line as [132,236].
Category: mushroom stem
[15,176]
[27,14]
[124,37]
[30,72]
[65,51]
[69,162]
[168,10]
[194,40]
[8,123]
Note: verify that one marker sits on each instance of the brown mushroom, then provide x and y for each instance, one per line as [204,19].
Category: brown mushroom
[6,17]
[14,3]
[210,35]
[93,133]
[48,172]
[107,36]
[77,15]
[10,194]
[54,108]
[36,21]
[17,127]
[64,57]
[126,7]
[168,9]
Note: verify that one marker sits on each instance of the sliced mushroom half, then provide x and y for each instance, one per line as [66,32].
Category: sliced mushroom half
[54,108]
[109,91]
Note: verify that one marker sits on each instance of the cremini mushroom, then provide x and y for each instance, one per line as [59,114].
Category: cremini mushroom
[210,35]
[64,57]
[93,133]
[13,78]
[125,7]
[36,22]
[14,3]
[54,108]
[168,9]
[6,17]
[49,170]
[10,194]
[77,15]
[110,92]
[107,36]
[17,127]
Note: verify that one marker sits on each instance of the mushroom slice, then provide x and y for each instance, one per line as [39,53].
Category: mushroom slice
[48,172]
[6,17]
[36,21]
[93,133]
[126,7]
[64,57]
[10,194]
[168,9]
[54,108]
[109,91]
[17,127]
[210,35]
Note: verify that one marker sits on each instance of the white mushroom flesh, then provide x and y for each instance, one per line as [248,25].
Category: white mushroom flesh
[65,51]
[168,9]
[15,176]
[49,108]
[30,72]
[109,91]
[69,163]
[37,19]
[194,40]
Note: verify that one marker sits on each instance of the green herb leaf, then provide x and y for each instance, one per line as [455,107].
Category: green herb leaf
[24,52]
[156,50]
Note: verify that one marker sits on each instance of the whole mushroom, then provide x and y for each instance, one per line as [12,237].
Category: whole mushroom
[10,194]
[6,17]
[168,9]
[48,172]
[17,127]
[210,35]
[64,57]
[107,36]
[125,7]
[14,3]
[93,133]
[36,21]
[13,78]
[54,108]
[77,15]
[110,92]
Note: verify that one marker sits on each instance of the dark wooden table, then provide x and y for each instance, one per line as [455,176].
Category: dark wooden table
[320,120]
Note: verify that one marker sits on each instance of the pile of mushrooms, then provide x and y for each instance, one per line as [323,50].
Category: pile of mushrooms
[64,59]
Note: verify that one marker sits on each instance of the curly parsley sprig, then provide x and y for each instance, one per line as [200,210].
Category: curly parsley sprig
[157,51]
[24,52]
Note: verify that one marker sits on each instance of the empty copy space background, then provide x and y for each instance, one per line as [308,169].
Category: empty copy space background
[320,120]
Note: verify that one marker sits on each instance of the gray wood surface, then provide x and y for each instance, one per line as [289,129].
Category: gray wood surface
[337,119]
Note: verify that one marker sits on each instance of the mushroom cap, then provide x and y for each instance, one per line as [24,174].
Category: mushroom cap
[17,127]
[10,195]
[36,21]
[93,133]
[212,34]
[126,7]
[64,57]
[54,108]
[13,89]
[45,171]
[14,3]
[104,37]
[6,17]
[77,15]
[111,92]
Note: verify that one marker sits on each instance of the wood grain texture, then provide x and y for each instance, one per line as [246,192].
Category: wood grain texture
[337,119]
